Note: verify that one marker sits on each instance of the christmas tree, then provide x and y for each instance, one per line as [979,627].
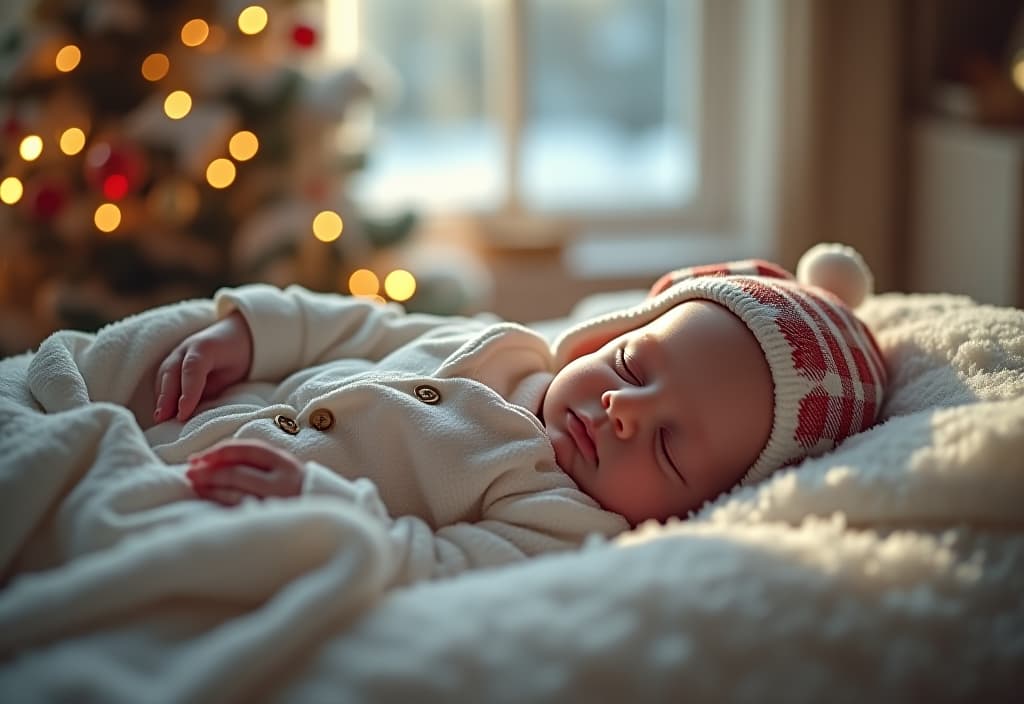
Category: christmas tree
[155,151]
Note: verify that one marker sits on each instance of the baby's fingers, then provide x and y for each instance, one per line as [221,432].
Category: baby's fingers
[194,370]
[256,482]
[221,495]
[168,387]
[239,451]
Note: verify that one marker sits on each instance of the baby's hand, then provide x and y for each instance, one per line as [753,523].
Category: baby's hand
[202,366]
[231,470]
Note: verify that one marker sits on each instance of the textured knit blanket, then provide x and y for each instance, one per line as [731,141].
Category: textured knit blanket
[891,569]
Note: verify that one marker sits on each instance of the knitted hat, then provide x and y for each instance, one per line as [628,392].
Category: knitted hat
[828,375]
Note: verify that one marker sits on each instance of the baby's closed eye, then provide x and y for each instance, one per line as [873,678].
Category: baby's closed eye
[625,370]
[664,449]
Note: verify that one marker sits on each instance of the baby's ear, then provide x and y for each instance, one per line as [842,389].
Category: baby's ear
[745,267]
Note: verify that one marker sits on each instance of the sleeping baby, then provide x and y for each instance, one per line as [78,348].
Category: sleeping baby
[481,443]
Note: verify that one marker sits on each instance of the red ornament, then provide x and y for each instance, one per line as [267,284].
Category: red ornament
[304,36]
[109,158]
[115,186]
[47,200]
[12,128]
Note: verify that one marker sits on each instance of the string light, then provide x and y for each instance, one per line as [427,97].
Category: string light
[68,58]
[220,173]
[178,104]
[400,285]
[252,20]
[364,283]
[107,217]
[11,190]
[243,145]
[155,66]
[72,140]
[327,226]
[194,32]
[31,147]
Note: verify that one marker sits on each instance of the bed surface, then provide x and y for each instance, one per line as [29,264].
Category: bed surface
[888,570]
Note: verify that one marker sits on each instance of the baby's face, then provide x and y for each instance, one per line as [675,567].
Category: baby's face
[663,417]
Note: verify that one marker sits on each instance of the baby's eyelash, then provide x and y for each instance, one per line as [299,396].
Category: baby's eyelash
[623,369]
[663,440]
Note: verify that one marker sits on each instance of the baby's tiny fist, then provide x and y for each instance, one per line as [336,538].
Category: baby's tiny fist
[197,469]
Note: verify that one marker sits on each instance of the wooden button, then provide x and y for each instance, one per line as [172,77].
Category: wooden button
[428,394]
[286,424]
[321,419]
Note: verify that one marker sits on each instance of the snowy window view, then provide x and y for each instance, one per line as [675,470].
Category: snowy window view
[607,105]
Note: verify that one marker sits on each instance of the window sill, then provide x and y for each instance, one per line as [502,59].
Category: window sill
[647,255]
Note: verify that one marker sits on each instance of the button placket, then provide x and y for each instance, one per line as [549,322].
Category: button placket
[428,394]
[322,419]
[286,423]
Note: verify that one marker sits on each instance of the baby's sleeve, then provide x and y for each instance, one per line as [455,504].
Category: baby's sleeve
[296,328]
[514,528]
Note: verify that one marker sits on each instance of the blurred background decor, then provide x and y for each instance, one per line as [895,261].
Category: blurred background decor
[511,156]
[154,151]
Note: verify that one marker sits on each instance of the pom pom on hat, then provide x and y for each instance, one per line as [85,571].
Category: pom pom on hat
[839,269]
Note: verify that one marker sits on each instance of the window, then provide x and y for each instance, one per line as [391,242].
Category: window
[608,114]
[437,142]
[595,112]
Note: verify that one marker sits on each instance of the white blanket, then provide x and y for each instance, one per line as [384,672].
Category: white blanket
[891,569]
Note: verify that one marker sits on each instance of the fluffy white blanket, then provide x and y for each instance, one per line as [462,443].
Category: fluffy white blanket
[890,570]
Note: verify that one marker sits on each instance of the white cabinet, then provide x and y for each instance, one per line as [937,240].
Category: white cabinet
[967,210]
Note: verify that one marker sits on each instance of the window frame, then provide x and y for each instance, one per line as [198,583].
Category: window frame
[733,58]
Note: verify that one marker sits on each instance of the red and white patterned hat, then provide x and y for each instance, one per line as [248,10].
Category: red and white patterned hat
[829,377]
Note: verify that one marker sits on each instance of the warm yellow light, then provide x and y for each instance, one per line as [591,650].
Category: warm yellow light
[194,32]
[363,282]
[72,140]
[31,147]
[400,285]
[107,217]
[155,66]
[252,20]
[243,145]
[1018,71]
[178,104]
[327,226]
[220,173]
[11,190]
[68,58]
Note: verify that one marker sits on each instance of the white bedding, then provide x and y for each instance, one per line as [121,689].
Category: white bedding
[891,569]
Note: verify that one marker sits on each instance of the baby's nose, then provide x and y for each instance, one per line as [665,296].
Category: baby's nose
[621,413]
